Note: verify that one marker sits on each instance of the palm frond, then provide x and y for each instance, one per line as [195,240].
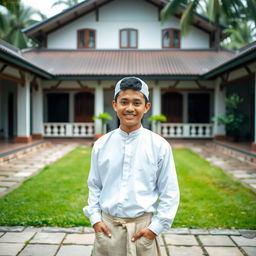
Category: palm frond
[214,10]
[187,17]
[252,10]
[170,9]
[59,3]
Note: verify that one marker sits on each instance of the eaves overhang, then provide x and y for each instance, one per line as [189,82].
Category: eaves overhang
[243,58]
[24,64]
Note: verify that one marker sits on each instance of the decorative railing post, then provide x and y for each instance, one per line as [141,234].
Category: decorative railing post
[68,130]
[184,130]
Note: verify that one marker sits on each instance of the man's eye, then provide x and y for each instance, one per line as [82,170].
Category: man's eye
[137,103]
[123,102]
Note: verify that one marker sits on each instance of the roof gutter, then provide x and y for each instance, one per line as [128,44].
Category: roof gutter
[119,76]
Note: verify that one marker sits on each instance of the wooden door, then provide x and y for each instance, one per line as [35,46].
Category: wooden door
[84,107]
[172,107]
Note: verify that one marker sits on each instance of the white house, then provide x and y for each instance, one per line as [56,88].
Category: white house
[55,89]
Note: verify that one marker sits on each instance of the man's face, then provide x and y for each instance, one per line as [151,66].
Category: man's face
[130,108]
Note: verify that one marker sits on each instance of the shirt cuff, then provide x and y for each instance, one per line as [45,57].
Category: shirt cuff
[94,218]
[156,227]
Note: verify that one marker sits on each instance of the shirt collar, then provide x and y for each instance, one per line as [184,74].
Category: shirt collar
[131,134]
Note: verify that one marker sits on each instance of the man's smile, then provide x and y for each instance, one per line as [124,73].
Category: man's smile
[129,116]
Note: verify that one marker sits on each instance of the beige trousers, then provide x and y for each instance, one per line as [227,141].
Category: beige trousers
[120,243]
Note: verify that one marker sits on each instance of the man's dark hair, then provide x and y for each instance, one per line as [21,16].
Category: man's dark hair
[131,83]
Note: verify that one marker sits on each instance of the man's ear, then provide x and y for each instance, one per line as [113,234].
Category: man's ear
[114,105]
[147,107]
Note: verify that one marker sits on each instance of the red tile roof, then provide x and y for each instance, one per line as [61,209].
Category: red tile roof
[127,62]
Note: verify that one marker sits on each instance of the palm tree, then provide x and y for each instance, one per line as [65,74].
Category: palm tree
[214,11]
[13,20]
[68,3]
[240,36]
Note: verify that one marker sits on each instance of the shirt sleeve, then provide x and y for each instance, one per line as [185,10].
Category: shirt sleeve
[168,190]
[92,210]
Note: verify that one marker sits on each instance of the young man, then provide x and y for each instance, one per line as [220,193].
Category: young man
[133,188]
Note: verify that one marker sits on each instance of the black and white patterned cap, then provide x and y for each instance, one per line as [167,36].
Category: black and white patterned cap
[134,83]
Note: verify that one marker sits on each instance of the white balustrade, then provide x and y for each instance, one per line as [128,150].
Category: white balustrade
[168,130]
[184,130]
[68,129]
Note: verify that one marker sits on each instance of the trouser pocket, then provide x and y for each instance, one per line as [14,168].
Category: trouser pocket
[100,245]
[146,247]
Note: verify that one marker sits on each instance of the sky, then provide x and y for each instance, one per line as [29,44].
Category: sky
[45,6]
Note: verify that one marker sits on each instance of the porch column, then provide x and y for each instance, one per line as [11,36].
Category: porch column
[156,104]
[98,107]
[23,102]
[37,111]
[71,107]
[219,108]
[185,107]
[254,142]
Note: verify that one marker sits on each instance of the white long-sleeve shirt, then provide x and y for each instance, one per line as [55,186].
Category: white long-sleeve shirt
[132,174]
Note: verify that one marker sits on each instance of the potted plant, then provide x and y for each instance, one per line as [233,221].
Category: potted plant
[156,120]
[233,118]
[104,117]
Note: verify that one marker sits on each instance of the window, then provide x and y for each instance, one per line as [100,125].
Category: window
[170,38]
[86,38]
[128,38]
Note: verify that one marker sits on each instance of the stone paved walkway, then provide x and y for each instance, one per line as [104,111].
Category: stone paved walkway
[15,172]
[78,241]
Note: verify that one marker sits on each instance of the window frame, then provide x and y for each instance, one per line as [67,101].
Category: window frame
[128,38]
[86,32]
[171,33]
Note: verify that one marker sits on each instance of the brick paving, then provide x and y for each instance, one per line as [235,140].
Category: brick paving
[30,241]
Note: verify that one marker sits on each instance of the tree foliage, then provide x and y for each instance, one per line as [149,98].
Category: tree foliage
[233,118]
[229,13]
[13,18]
[240,36]
[67,3]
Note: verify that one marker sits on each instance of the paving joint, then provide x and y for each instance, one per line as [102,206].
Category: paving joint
[201,246]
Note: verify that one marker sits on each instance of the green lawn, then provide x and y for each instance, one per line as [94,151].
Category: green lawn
[56,196]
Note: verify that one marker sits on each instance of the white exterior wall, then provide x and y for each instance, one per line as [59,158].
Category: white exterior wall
[219,107]
[121,14]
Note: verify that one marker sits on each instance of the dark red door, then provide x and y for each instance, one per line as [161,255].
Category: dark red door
[172,107]
[84,107]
